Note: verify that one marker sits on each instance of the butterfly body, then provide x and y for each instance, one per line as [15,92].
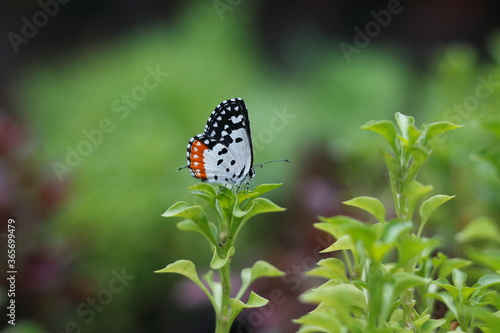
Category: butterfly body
[223,154]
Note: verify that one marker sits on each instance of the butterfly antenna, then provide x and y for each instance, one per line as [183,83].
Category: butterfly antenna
[262,164]
[182,168]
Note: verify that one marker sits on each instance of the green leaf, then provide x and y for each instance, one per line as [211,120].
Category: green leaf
[188,269]
[430,205]
[459,278]
[405,281]
[488,280]
[226,199]
[447,299]
[190,225]
[258,270]
[452,290]
[343,243]
[332,229]
[419,156]
[394,230]
[393,169]
[415,248]
[432,324]
[407,128]
[204,191]
[385,128]
[205,187]
[432,130]
[448,265]
[414,191]
[217,262]
[481,229]
[330,268]
[492,320]
[258,191]
[421,321]
[254,301]
[340,296]
[339,225]
[320,320]
[369,204]
[194,213]
[209,278]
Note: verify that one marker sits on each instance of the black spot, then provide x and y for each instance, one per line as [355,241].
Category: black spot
[220,161]
[238,140]
[227,179]
[216,178]
[233,176]
[233,162]
[227,169]
[223,151]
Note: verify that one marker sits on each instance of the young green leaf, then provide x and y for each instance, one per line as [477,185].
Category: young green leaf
[258,270]
[194,213]
[204,191]
[188,269]
[217,262]
[258,191]
[343,243]
[448,265]
[459,278]
[254,301]
[403,281]
[340,225]
[190,225]
[369,204]
[447,299]
[394,231]
[432,130]
[419,156]
[414,191]
[319,320]
[451,289]
[432,324]
[488,280]
[385,128]
[330,268]
[430,205]
[407,128]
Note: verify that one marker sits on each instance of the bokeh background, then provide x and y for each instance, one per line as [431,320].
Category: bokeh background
[99,98]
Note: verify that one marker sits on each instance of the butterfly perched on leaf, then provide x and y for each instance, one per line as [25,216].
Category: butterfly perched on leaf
[223,154]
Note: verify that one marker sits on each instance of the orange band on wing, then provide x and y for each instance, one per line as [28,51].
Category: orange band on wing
[196,159]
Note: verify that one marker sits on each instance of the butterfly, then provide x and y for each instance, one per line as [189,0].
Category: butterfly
[223,154]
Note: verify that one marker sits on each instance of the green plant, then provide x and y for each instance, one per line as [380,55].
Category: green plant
[232,211]
[390,277]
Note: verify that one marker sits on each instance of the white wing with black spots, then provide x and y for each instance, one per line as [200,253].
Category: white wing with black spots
[223,153]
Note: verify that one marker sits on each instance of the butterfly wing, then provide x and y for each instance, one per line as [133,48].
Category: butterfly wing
[223,153]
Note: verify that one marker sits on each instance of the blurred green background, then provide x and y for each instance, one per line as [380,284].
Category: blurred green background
[89,233]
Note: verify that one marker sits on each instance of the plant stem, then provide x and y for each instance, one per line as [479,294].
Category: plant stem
[407,296]
[222,321]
